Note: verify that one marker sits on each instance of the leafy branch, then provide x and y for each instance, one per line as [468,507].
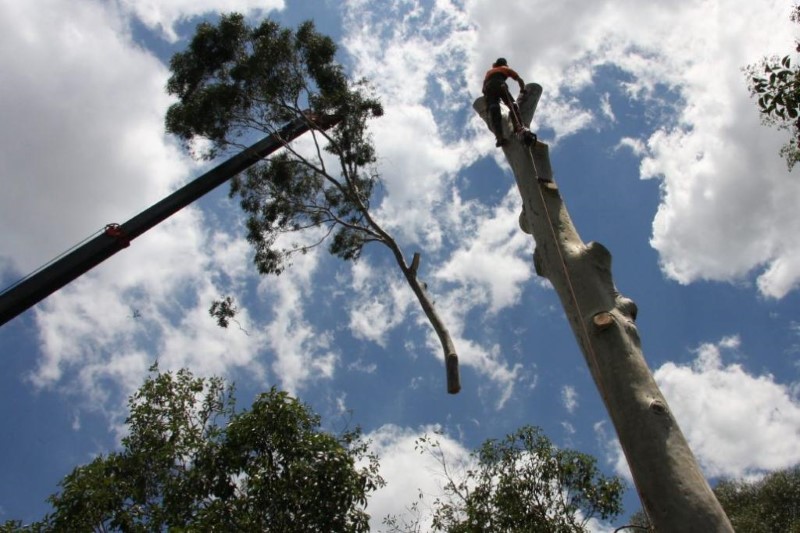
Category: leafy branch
[775,82]
[519,483]
[235,80]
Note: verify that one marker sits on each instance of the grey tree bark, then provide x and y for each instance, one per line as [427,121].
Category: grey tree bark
[673,490]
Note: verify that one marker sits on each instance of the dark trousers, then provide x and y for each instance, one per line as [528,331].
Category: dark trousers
[493,93]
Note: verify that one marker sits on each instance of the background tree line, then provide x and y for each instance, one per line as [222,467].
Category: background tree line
[193,462]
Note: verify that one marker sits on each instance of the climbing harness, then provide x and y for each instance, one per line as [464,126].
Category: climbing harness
[525,135]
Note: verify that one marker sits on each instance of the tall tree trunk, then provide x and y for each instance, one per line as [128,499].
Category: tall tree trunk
[673,491]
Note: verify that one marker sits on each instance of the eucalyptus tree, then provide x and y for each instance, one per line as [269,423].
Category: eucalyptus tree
[192,462]
[760,506]
[521,483]
[235,80]
[775,82]
[668,479]
[764,505]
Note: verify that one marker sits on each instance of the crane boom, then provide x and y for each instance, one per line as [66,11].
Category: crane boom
[35,288]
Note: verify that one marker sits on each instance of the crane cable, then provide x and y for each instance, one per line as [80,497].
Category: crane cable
[62,254]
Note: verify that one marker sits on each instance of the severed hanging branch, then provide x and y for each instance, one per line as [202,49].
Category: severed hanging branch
[235,81]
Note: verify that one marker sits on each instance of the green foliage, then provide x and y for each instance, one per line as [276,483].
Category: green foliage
[523,483]
[235,80]
[768,505]
[776,84]
[223,311]
[641,522]
[192,463]
[771,504]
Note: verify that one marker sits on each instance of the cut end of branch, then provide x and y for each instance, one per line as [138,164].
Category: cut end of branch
[453,377]
[415,263]
[602,321]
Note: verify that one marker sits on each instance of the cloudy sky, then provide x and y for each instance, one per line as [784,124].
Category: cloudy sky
[657,149]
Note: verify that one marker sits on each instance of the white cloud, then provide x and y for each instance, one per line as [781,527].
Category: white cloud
[736,423]
[83,144]
[92,339]
[408,472]
[417,168]
[605,107]
[100,125]
[149,301]
[569,397]
[380,302]
[413,56]
[484,355]
[612,451]
[303,353]
[81,140]
[494,255]
[163,15]
[636,146]
[728,203]
[421,59]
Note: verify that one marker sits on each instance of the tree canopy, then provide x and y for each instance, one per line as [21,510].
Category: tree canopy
[522,483]
[192,462]
[235,80]
[765,505]
[776,83]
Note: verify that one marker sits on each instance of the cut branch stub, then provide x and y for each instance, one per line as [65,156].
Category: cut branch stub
[415,263]
[602,321]
[453,377]
[674,492]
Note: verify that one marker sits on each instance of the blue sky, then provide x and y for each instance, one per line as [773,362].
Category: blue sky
[654,141]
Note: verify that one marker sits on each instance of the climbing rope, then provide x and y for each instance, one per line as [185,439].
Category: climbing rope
[567,277]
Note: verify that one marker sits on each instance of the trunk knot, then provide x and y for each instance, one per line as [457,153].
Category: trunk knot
[627,307]
[658,407]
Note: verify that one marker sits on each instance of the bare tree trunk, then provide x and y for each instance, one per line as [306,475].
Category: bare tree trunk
[673,491]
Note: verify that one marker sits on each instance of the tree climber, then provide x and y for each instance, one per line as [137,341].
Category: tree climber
[494,90]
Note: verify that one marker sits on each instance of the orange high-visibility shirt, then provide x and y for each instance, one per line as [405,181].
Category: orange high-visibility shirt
[504,71]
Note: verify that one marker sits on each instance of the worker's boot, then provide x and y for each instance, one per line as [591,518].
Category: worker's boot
[528,138]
